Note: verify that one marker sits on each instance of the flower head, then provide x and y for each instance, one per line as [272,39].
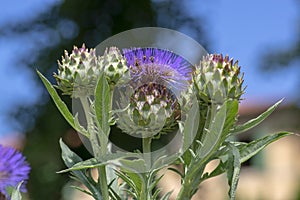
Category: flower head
[78,72]
[217,79]
[13,169]
[157,79]
[158,66]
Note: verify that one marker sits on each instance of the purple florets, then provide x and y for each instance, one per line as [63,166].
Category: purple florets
[158,66]
[13,169]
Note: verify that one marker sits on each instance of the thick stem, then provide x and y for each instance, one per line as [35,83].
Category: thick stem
[147,150]
[147,156]
[102,180]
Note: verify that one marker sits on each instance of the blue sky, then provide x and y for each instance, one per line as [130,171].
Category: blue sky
[241,29]
[246,29]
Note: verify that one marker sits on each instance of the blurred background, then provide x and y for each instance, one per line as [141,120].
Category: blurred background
[263,35]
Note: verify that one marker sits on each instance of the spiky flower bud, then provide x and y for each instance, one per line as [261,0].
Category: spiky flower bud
[78,72]
[153,109]
[157,79]
[217,79]
[114,65]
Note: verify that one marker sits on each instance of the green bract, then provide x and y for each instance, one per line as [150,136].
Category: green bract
[78,72]
[152,109]
[114,66]
[217,79]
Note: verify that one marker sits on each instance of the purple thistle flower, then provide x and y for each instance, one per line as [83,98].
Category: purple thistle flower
[13,169]
[157,79]
[158,66]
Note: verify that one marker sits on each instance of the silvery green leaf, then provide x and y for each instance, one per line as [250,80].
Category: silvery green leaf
[249,150]
[16,194]
[190,128]
[58,102]
[231,116]
[233,170]
[214,132]
[116,159]
[254,122]
[70,158]
[103,103]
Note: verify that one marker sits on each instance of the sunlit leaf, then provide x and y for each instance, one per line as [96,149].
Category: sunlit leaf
[233,170]
[70,159]
[62,107]
[212,138]
[249,150]
[103,103]
[254,122]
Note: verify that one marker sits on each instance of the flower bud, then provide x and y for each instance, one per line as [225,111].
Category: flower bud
[218,79]
[78,72]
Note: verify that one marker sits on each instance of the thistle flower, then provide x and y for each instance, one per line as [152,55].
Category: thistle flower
[13,169]
[78,72]
[217,79]
[157,79]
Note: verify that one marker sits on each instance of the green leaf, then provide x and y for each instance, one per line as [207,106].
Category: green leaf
[249,150]
[70,159]
[166,196]
[103,103]
[231,116]
[58,102]
[254,122]
[118,159]
[137,180]
[16,194]
[233,170]
[191,125]
[190,128]
[214,132]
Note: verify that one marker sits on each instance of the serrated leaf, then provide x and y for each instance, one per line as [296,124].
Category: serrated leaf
[233,170]
[254,122]
[249,150]
[117,159]
[102,103]
[62,107]
[70,158]
[254,148]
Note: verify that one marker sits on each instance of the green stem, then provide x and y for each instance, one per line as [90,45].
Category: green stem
[147,156]
[102,179]
[147,149]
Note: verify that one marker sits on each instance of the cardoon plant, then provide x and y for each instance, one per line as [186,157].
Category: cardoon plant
[152,94]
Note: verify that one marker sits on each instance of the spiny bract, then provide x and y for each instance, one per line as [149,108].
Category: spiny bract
[78,72]
[217,79]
